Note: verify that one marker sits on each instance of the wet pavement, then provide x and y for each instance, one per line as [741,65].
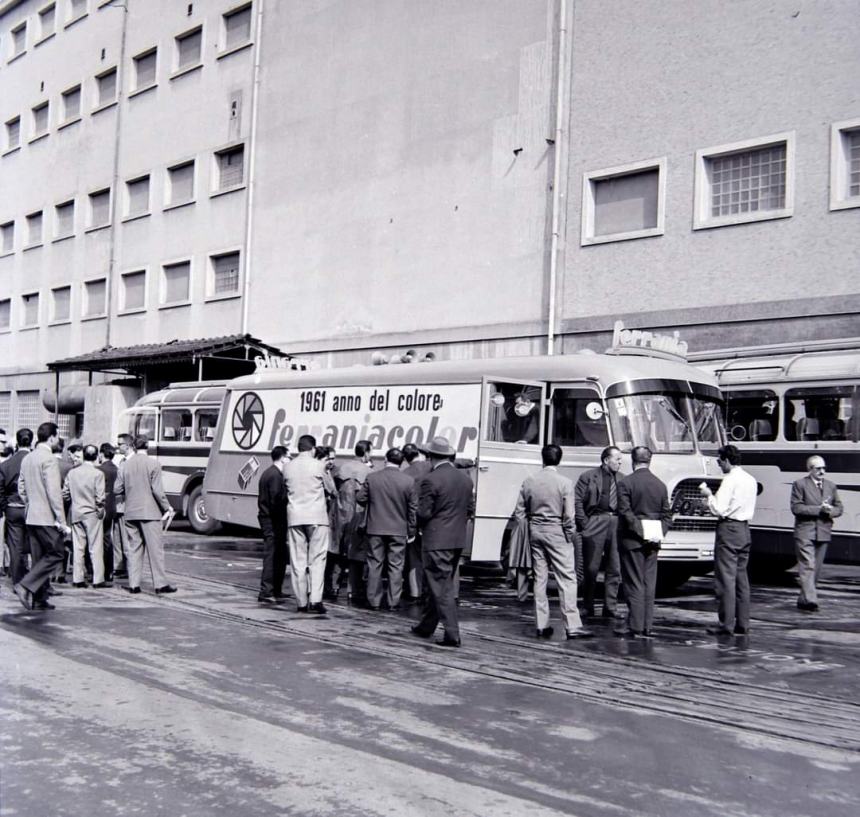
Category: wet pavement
[206,703]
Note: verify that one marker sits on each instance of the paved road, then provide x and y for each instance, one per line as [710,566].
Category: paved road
[205,703]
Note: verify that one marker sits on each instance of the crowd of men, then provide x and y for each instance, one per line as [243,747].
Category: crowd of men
[101,509]
[397,531]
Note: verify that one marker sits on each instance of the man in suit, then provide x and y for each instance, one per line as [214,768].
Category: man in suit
[13,508]
[113,555]
[641,496]
[546,502]
[272,514]
[39,487]
[815,503]
[139,486]
[124,452]
[308,485]
[416,467]
[596,500]
[390,499]
[446,502]
[84,489]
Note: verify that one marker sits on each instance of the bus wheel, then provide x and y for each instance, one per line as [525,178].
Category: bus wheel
[200,521]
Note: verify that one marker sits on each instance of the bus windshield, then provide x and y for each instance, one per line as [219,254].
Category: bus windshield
[665,423]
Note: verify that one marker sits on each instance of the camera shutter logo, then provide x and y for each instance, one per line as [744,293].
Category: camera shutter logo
[248,421]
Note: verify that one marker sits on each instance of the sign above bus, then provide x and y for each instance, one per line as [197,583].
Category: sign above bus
[645,342]
[340,416]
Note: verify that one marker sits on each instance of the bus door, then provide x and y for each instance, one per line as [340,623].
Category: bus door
[512,419]
[578,422]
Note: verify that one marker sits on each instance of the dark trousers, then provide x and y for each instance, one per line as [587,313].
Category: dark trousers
[600,547]
[639,574]
[731,580]
[382,550]
[274,556]
[49,554]
[18,542]
[440,600]
[107,545]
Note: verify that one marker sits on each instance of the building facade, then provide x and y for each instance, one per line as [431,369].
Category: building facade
[470,178]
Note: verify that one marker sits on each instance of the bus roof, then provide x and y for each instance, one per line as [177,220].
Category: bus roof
[210,394]
[604,369]
[808,366]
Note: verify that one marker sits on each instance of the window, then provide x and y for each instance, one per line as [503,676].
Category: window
[19,40]
[106,87]
[752,414]
[77,8]
[40,120]
[624,202]
[6,409]
[65,219]
[144,69]
[578,418]
[72,103]
[231,167]
[237,27]
[47,21]
[61,304]
[188,49]
[7,237]
[134,290]
[822,413]
[206,421]
[659,421]
[99,208]
[845,165]
[29,411]
[514,413]
[745,181]
[34,229]
[30,304]
[13,133]
[95,298]
[5,314]
[176,425]
[138,196]
[181,183]
[225,274]
[176,283]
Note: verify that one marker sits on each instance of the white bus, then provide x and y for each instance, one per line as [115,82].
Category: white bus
[496,412]
[780,409]
[180,423]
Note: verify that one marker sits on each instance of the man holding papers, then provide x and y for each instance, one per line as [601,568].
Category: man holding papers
[644,518]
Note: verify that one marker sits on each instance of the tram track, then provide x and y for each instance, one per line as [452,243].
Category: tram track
[717,698]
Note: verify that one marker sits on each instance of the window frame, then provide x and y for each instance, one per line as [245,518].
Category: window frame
[90,225]
[215,176]
[58,236]
[589,179]
[8,327]
[133,310]
[179,70]
[838,169]
[36,135]
[138,88]
[162,282]
[211,295]
[128,215]
[100,106]
[85,299]
[43,35]
[9,146]
[224,49]
[73,18]
[69,120]
[31,244]
[54,320]
[22,26]
[702,220]
[3,250]
[169,204]
[30,294]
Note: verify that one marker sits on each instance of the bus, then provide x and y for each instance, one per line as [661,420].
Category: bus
[781,408]
[497,413]
[180,422]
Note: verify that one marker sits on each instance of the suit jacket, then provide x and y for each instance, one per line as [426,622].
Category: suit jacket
[272,496]
[109,469]
[641,496]
[39,486]
[418,469]
[810,521]
[9,473]
[587,494]
[446,502]
[308,483]
[348,477]
[546,499]
[139,486]
[85,489]
[391,501]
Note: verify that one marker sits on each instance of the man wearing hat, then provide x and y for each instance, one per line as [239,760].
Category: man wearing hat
[446,502]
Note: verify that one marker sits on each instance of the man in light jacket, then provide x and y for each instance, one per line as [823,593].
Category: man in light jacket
[84,488]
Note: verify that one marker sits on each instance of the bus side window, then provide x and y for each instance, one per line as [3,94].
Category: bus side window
[175,425]
[513,413]
[204,425]
[752,415]
[578,418]
[144,426]
[820,413]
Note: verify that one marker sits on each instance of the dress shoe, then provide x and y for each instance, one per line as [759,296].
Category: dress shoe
[317,607]
[44,605]
[167,588]
[718,631]
[24,596]
[807,607]
[416,630]
[448,642]
[265,599]
[79,585]
[580,633]
[102,585]
[546,632]
[131,589]
[302,609]
[52,592]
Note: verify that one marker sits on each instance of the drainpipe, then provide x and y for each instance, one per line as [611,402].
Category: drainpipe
[252,161]
[557,195]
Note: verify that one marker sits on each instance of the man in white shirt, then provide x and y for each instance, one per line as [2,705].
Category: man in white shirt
[734,506]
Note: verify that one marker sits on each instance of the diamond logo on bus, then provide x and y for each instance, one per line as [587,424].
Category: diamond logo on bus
[247,422]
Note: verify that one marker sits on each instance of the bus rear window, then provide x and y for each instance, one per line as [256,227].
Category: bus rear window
[752,414]
[822,413]
[578,418]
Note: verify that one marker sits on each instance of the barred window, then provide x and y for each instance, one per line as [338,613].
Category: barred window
[748,182]
[231,167]
[853,140]
[225,274]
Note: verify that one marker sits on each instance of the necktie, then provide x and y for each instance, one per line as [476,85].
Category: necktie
[613,494]
[818,485]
